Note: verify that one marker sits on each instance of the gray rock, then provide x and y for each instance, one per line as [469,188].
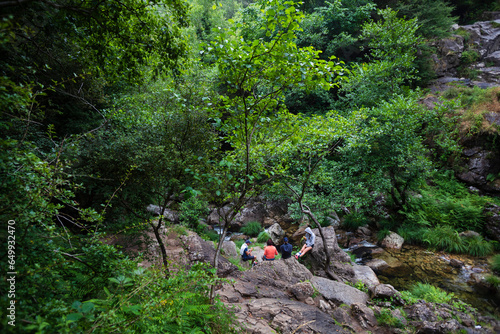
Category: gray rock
[287,316]
[301,290]
[366,275]
[393,241]
[364,315]
[170,215]
[339,293]
[229,248]
[377,265]
[276,233]
[339,260]
[386,292]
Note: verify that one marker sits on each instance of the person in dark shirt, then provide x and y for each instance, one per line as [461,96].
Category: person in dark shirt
[286,249]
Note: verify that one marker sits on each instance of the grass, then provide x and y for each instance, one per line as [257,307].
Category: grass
[354,220]
[494,281]
[385,318]
[263,237]
[383,233]
[252,229]
[495,263]
[237,263]
[445,238]
[477,246]
[430,293]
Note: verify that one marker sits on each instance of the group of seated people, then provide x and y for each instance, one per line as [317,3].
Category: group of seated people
[270,250]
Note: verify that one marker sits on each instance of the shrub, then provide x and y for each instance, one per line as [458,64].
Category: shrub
[210,235]
[495,263]
[445,238]
[252,229]
[477,246]
[354,220]
[385,318]
[191,210]
[383,233]
[430,293]
[239,243]
[494,281]
[469,56]
[263,237]
[413,234]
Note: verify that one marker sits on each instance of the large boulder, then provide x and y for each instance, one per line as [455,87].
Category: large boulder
[340,262]
[338,292]
[276,233]
[229,249]
[366,275]
[392,241]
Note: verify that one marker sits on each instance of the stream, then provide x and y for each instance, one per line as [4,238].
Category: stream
[459,274]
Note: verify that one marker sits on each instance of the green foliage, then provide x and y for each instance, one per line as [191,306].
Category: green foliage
[354,220]
[385,318]
[191,210]
[334,27]
[239,243]
[263,237]
[445,238]
[392,44]
[412,233]
[495,263]
[477,246]
[447,203]
[469,56]
[147,302]
[251,229]
[359,285]
[381,234]
[494,281]
[434,17]
[389,130]
[210,235]
[430,293]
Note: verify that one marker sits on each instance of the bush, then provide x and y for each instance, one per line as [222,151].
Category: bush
[495,263]
[385,318]
[263,237]
[477,246]
[252,229]
[430,293]
[412,234]
[210,235]
[445,238]
[469,56]
[494,281]
[383,233]
[191,210]
[354,220]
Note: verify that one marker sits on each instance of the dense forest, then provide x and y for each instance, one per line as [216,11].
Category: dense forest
[108,107]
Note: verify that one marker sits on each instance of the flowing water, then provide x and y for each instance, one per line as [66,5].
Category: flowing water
[414,264]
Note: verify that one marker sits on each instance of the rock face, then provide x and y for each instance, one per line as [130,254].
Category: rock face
[484,38]
[479,164]
[392,241]
[287,316]
[366,275]
[265,212]
[492,223]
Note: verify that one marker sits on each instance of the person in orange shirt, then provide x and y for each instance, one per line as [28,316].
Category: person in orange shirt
[270,251]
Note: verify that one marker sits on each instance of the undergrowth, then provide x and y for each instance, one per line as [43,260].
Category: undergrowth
[252,229]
